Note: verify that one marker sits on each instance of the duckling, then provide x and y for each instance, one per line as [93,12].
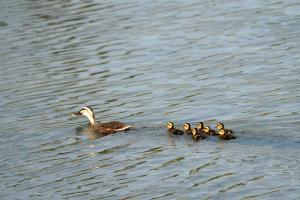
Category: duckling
[172,129]
[103,128]
[225,136]
[208,131]
[197,135]
[200,127]
[221,126]
[187,128]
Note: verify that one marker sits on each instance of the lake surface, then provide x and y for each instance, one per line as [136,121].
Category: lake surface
[146,63]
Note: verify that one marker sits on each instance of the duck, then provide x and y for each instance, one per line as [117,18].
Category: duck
[208,131]
[187,128]
[196,135]
[200,127]
[172,129]
[102,128]
[221,126]
[225,135]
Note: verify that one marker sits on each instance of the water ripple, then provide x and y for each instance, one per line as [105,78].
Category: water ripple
[146,63]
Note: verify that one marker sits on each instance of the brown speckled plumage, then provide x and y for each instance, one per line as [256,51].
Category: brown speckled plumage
[102,128]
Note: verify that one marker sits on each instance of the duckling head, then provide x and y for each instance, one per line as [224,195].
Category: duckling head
[220,126]
[200,125]
[170,125]
[194,131]
[86,111]
[206,129]
[221,132]
[187,126]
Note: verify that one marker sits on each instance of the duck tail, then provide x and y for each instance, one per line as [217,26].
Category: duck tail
[124,128]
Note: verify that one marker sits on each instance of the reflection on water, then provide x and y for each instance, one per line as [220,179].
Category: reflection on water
[145,63]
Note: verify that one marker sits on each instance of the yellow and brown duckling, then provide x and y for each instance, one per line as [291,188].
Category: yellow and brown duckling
[200,127]
[196,135]
[187,128]
[103,128]
[221,126]
[225,135]
[208,131]
[172,129]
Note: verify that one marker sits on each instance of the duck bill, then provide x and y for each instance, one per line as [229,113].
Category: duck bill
[75,114]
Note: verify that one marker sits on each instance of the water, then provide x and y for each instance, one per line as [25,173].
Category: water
[145,63]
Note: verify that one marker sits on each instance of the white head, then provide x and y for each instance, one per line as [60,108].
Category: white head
[88,112]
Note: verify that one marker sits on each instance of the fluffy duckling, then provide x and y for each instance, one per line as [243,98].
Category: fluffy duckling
[200,127]
[187,128]
[172,129]
[221,126]
[208,131]
[225,136]
[197,135]
[102,128]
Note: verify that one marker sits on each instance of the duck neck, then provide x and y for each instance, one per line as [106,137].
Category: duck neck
[92,119]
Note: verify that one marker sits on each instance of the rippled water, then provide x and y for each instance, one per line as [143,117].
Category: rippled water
[145,63]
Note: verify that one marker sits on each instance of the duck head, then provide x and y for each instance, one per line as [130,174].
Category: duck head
[88,112]
[206,129]
[221,132]
[170,125]
[186,126]
[220,126]
[200,125]
[194,131]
